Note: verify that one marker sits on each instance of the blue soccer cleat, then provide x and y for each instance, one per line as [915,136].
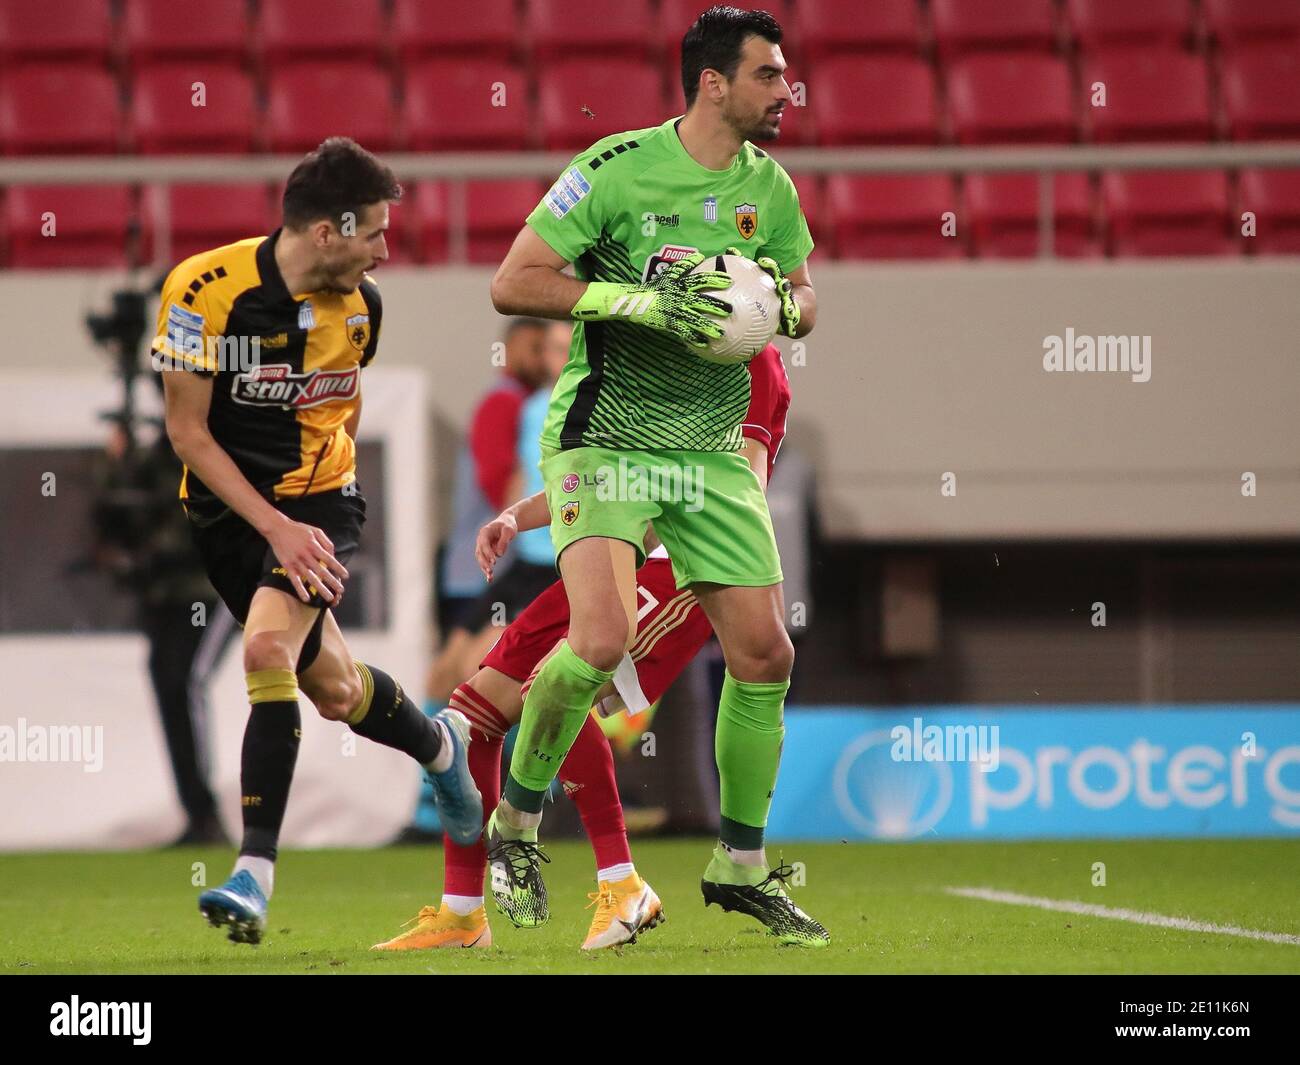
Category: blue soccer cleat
[238,903]
[460,806]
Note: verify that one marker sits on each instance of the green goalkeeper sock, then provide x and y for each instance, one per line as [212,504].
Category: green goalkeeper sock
[556,707]
[748,750]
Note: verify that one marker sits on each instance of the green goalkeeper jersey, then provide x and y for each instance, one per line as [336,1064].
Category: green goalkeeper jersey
[622,210]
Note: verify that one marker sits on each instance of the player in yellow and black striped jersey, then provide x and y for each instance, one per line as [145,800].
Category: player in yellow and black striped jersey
[262,343]
[287,371]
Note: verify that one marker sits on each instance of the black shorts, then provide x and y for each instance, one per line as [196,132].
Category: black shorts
[239,561]
[515,589]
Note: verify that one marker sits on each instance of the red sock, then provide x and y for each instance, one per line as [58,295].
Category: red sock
[463,866]
[588,778]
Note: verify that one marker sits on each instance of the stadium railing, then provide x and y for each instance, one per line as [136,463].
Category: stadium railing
[459,167]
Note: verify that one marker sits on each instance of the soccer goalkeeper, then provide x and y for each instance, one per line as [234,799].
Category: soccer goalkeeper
[636,213]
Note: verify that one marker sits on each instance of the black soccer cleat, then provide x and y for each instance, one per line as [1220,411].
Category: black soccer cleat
[765,900]
[515,869]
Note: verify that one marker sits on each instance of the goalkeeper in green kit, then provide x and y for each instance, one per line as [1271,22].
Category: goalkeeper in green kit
[640,429]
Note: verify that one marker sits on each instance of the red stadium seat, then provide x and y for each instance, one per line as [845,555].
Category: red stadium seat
[165,119]
[450,105]
[55,29]
[676,16]
[1011,98]
[1002,210]
[828,27]
[331,30]
[809,187]
[497,210]
[425,222]
[891,216]
[1231,21]
[1169,213]
[92,226]
[1261,92]
[201,217]
[560,29]
[962,26]
[1105,23]
[901,92]
[1152,94]
[59,108]
[1274,198]
[161,29]
[484,29]
[622,94]
[312,101]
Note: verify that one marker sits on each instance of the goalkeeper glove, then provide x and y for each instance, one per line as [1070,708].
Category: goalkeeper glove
[676,302]
[789,308]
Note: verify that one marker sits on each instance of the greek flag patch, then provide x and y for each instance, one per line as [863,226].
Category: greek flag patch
[565,193]
[184,330]
[306,316]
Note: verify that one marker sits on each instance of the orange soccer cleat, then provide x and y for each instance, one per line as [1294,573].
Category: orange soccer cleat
[442,928]
[623,910]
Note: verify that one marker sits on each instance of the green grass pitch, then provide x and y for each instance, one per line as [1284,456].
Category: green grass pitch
[883,903]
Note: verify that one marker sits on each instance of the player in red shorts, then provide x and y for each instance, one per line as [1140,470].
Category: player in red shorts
[671,629]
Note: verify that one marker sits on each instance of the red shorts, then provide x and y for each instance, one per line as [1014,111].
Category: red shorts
[670,630]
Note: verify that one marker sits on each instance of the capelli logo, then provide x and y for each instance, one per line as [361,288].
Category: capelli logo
[132,1019]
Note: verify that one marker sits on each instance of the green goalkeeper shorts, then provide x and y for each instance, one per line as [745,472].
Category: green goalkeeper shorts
[707,508]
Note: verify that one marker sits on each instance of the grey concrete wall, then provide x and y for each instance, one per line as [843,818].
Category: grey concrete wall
[919,371]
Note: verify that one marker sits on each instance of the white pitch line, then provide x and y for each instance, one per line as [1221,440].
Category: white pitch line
[1088,909]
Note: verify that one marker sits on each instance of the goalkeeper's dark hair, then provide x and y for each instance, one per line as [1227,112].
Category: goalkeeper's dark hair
[338,177]
[715,41]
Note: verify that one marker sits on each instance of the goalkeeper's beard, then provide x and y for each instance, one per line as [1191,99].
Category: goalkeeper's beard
[753,128]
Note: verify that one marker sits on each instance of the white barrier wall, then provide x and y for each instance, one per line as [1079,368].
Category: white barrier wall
[913,372]
[118,792]
[917,371]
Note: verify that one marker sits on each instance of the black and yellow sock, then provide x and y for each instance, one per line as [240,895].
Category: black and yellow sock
[270,751]
[387,715]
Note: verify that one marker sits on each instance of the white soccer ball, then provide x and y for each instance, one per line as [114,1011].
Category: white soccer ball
[755,310]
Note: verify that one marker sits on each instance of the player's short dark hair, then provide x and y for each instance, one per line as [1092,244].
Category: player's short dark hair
[337,177]
[523,322]
[715,40]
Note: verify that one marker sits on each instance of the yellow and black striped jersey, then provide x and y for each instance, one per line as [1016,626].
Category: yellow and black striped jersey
[286,367]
